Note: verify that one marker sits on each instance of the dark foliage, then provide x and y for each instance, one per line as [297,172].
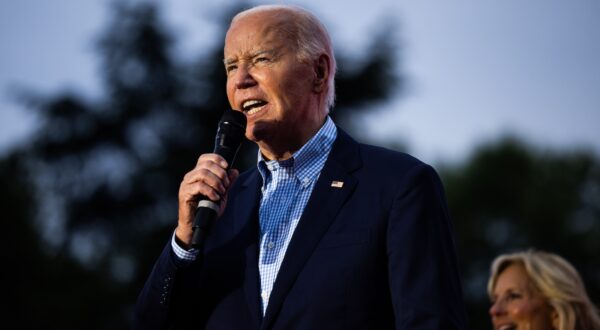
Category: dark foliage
[93,200]
[511,197]
[106,173]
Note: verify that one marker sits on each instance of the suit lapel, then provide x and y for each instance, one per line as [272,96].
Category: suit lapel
[246,214]
[326,200]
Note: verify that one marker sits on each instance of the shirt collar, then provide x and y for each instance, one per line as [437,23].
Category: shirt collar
[308,161]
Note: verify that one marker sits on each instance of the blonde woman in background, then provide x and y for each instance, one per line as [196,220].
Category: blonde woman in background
[539,290]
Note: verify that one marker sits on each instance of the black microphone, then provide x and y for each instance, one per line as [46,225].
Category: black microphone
[230,135]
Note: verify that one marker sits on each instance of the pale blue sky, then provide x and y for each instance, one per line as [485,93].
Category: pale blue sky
[476,69]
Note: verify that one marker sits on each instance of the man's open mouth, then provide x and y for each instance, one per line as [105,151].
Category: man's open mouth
[251,107]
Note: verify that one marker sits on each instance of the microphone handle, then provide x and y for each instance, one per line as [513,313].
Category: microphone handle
[207,210]
[206,213]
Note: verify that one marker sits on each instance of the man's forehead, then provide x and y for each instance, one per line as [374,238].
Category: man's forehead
[250,41]
[268,24]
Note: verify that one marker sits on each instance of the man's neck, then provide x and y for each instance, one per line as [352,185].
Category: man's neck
[273,153]
[281,148]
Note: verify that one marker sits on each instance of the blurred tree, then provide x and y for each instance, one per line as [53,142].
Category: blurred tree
[509,197]
[93,200]
[100,179]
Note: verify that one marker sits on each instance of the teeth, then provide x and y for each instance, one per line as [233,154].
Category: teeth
[255,110]
[508,327]
[252,106]
[250,103]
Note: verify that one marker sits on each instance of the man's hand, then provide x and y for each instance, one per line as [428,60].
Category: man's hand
[210,178]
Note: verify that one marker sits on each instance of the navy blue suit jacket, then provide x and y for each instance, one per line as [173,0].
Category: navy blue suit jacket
[375,253]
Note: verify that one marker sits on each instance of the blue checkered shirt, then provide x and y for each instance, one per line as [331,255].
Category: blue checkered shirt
[287,186]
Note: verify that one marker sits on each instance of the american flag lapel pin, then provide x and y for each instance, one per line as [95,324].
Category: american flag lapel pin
[337,184]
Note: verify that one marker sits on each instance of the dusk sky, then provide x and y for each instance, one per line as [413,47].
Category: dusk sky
[476,69]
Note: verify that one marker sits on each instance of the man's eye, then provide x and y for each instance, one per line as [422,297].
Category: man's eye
[261,59]
[230,68]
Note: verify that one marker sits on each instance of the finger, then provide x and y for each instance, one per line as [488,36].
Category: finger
[207,191]
[214,158]
[204,177]
[216,168]
[209,173]
[192,192]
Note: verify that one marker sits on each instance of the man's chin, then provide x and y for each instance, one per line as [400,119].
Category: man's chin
[259,131]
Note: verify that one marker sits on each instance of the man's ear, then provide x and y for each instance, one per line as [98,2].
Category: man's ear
[321,67]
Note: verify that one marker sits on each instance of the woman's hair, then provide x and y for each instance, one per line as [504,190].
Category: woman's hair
[558,282]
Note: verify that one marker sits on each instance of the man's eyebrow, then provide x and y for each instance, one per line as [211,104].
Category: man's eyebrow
[228,61]
[272,52]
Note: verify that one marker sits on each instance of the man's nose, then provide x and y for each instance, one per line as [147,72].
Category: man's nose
[243,77]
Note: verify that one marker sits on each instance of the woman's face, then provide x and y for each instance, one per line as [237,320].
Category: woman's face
[517,304]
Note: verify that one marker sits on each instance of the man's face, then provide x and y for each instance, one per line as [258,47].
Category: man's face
[267,81]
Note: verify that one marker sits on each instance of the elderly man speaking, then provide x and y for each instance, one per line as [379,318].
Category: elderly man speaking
[325,232]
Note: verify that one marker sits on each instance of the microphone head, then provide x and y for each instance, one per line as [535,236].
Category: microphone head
[233,117]
[230,134]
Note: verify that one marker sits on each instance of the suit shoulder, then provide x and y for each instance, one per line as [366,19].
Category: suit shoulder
[386,158]
[395,167]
